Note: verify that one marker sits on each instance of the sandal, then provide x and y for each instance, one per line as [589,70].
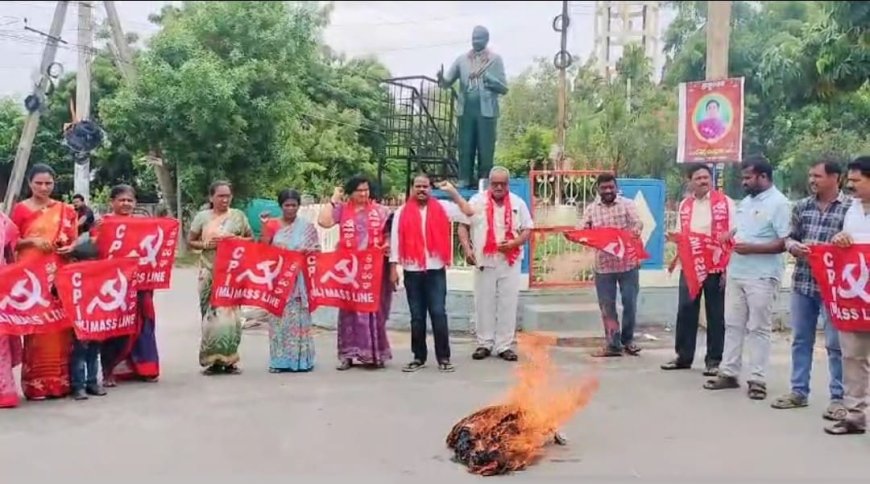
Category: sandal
[756,390]
[722,382]
[606,353]
[844,427]
[790,401]
[344,365]
[481,353]
[275,370]
[109,382]
[675,365]
[213,370]
[632,349]
[446,367]
[413,366]
[711,370]
[508,355]
[836,411]
[232,370]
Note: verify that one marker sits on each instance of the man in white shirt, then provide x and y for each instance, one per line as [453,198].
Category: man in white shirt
[499,229]
[421,242]
[855,345]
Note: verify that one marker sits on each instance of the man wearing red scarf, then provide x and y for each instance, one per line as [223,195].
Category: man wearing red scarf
[708,213]
[499,228]
[421,242]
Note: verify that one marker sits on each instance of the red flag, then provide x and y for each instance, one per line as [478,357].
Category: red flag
[152,240]
[694,251]
[844,282]
[26,303]
[346,279]
[100,297]
[617,242]
[249,273]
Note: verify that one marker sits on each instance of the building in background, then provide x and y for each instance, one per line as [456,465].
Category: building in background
[619,23]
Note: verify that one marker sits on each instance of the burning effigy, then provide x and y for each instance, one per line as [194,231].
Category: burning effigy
[513,434]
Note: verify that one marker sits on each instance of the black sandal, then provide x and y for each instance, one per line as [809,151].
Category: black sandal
[344,365]
[232,370]
[756,390]
[446,367]
[481,353]
[413,366]
[508,355]
[722,382]
[213,370]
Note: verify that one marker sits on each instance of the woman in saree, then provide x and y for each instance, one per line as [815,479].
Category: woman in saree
[48,230]
[10,346]
[291,344]
[133,357]
[362,337]
[221,327]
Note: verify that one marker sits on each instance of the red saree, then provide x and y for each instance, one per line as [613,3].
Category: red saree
[45,370]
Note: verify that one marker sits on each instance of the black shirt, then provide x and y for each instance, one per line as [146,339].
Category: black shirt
[88,214]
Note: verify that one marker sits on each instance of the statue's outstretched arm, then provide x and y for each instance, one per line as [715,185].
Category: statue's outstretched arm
[494,78]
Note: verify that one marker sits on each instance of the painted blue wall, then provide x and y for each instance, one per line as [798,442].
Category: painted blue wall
[519,187]
[654,193]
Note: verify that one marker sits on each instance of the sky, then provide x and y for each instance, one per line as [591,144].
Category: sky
[409,38]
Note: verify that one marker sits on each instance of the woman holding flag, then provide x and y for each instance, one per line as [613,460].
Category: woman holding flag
[48,232]
[363,224]
[291,345]
[221,327]
[135,356]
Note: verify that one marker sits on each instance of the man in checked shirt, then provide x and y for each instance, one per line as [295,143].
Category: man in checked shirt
[612,210]
[815,220]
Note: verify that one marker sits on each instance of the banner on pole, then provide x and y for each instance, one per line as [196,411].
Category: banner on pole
[710,126]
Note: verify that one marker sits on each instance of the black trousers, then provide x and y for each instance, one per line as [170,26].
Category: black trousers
[687,321]
[427,293]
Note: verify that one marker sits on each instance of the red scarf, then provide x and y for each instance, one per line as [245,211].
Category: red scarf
[491,246]
[720,225]
[347,228]
[413,245]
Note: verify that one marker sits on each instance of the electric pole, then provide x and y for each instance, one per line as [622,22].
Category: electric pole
[82,177]
[562,62]
[31,123]
[718,41]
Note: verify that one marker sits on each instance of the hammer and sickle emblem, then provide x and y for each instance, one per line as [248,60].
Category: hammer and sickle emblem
[150,247]
[344,273]
[857,287]
[22,298]
[116,289]
[267,276]
[616,248]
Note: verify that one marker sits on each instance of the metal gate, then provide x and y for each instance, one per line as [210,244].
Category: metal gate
[558,198]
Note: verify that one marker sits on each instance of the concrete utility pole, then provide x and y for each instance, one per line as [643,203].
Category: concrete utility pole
[82,174]
[718,42]
[31,123]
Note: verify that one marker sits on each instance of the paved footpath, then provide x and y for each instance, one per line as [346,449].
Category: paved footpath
[643,425]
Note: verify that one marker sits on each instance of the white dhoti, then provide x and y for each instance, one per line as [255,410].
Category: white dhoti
[496,296]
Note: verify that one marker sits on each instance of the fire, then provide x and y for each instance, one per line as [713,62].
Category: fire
[512,435]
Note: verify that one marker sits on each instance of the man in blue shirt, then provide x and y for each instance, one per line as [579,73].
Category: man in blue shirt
[753,278]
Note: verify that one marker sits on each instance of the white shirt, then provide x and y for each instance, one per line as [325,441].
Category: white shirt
[702,215]
[857,223]
[454,213]
[521,220]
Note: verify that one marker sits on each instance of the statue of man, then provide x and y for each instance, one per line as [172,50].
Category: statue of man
[481,80]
